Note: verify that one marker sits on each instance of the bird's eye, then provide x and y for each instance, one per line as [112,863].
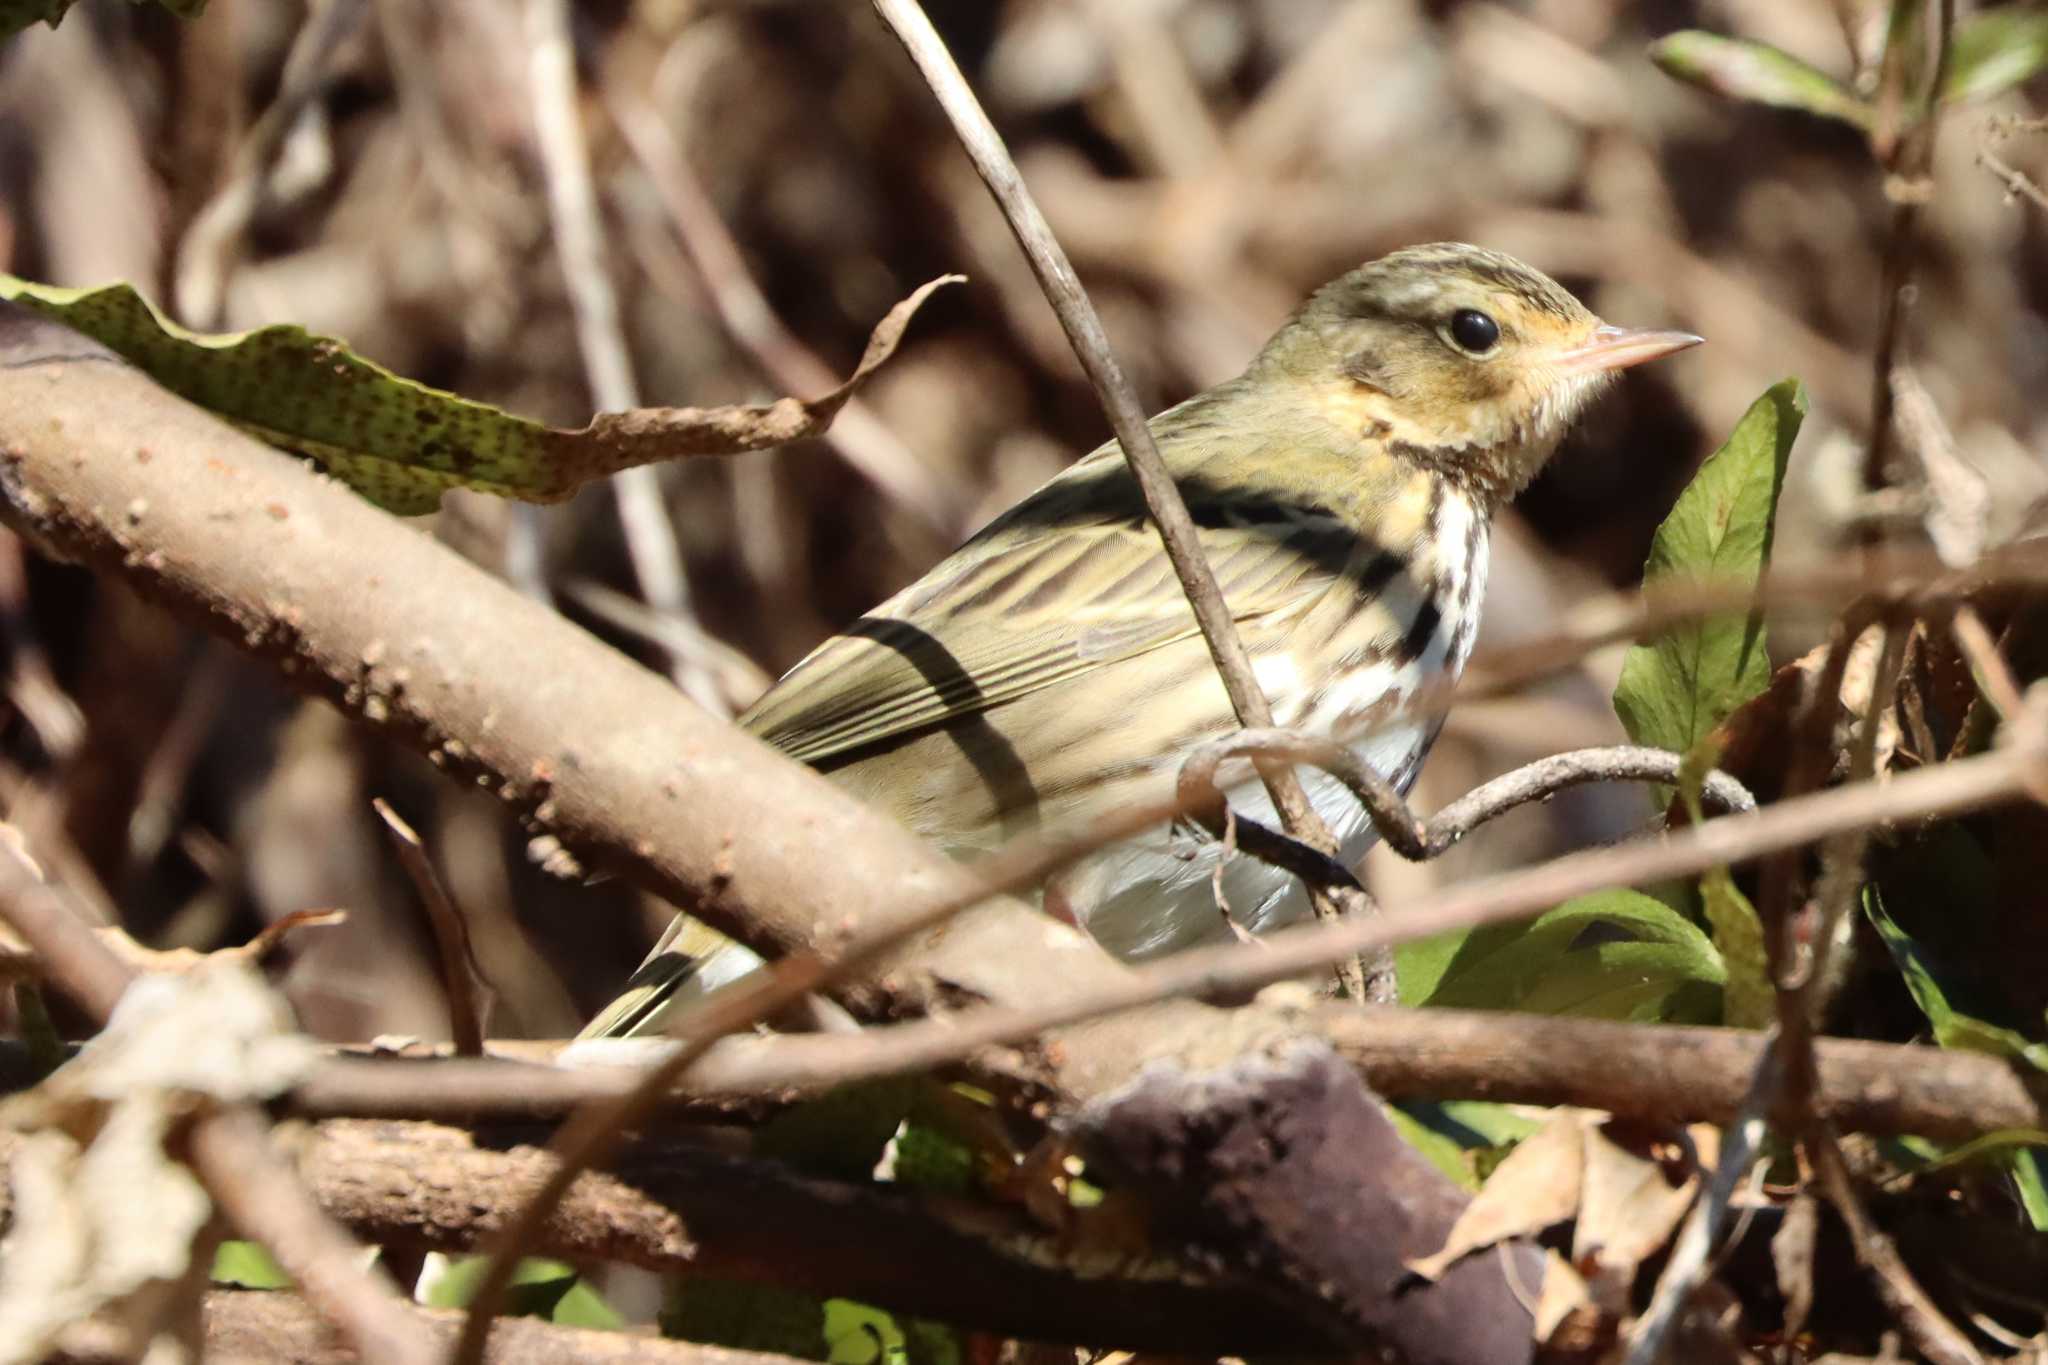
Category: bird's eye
[1474,331]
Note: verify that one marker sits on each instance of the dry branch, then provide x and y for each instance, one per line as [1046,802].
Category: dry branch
[98,464]
[680,1208]
[1655,1072]
[278,1327]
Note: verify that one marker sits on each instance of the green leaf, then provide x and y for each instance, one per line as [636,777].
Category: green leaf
[841,1133]
[1938,991]
[1742,69]
[1935,990]
[746,1317]
[246,1265]
[757,1317]
[928,1157]
[1614,955]
[1679,686]
[1445,1152]
[1995,51]
[401,444]
[1465,1139]
[540,1288]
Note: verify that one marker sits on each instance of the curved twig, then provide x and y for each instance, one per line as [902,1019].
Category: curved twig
[1404,831]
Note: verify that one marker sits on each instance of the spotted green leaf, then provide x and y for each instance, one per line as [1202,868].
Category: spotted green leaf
[1740,68]
[402,444]
[1677,687]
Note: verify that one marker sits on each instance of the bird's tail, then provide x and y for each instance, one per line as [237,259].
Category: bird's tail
[688,962]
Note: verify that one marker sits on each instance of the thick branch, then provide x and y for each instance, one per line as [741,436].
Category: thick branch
[98,464]
[676,1207]
[275,1326]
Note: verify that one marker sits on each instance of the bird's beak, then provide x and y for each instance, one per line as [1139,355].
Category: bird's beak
[1617,348]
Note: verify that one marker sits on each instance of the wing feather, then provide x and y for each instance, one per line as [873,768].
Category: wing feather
[1034,602]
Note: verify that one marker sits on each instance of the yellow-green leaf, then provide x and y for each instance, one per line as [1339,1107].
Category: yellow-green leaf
[1748,999]
[1994,51]
[402,444]
[1740,68]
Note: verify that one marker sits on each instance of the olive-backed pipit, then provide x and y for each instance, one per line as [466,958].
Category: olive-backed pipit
[1050,668]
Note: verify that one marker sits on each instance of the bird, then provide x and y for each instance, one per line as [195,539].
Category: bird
[1051,670]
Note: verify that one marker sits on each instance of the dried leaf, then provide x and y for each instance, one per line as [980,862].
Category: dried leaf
[1628,1208]
[1792,1259]
[1536,1187]
[1565,1299]
[106,1221]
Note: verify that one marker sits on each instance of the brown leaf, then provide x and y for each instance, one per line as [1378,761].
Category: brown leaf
[622,440]
[1536,1187]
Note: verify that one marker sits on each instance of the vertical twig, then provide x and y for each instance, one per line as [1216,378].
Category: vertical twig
[1783,1086]
[856,433]
[206,253]
[1940,1340]
[1692,1250]
[1907,166]
[579,240]
[468,993]
[984,146]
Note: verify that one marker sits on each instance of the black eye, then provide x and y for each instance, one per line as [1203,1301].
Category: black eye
[1474,331]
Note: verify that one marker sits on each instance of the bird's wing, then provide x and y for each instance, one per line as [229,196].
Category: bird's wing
[1059,587]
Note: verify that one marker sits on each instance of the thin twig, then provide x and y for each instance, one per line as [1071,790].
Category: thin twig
[984,146]
[2018,184]
[1228,970]
[1933,1334]
[857,433]
[1658,1072]
[595,1131]
[1994,675]
[230,1146]
[206,252]
[1907,164]
[1405,832]
[469,994]
[1692,1251]
[1802,994]
[608,365]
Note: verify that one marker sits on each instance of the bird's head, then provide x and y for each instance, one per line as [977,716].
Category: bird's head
[1459,358]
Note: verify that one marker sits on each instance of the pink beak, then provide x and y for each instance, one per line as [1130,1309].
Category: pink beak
[1617,348]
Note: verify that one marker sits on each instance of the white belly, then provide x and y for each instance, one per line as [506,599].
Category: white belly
[1156,894]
